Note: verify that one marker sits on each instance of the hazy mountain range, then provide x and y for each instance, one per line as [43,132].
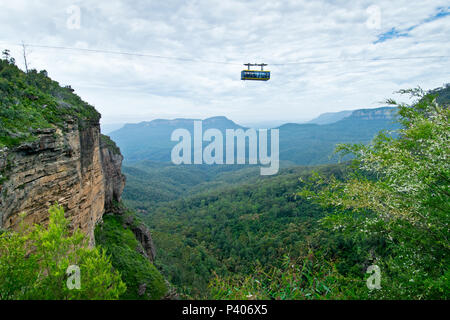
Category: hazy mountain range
[303,144]
[324,118]
[330,117]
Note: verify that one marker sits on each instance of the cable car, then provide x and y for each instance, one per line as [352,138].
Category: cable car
[260,75]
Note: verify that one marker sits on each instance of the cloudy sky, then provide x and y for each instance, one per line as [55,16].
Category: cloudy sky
[189,54]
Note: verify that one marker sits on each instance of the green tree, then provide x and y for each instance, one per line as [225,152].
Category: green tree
[34,263]
[7,56]
[400,190]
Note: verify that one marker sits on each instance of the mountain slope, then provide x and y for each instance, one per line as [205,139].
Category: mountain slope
[151,140]
[303,144]
[330,117]
[311,144]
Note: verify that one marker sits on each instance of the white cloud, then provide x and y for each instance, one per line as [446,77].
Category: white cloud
[141,88]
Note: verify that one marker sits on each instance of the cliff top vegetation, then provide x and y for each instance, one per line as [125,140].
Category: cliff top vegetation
[30,101]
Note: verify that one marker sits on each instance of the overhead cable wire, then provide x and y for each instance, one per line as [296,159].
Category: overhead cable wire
[130,54]
[299,62]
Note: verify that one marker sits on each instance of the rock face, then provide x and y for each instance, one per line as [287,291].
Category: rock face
[142,235]
[383,113]
[64,166]
[114,179]
[75,166]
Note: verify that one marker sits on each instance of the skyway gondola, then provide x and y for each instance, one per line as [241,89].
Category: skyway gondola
[261,75]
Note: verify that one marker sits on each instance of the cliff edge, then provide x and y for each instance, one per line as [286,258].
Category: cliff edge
[51,150]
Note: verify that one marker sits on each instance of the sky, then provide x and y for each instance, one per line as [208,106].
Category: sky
[186,56]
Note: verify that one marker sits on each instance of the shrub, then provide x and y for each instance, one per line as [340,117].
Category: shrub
[143,280]
[34,261]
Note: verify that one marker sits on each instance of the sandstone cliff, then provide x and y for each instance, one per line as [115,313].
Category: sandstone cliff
[75,166]
[383,113]
[51,150]
[111,159]
[61,165]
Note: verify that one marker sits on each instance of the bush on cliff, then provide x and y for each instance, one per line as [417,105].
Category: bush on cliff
[143,280]
[34,264]
[32,100]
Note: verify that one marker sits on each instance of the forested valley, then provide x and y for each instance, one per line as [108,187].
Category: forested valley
[310,232]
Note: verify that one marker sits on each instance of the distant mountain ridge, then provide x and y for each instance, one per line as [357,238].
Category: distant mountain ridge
[150,140]
[330,117]
[369,113]
[300,143]
[218,122]
[383,113]
[312,144]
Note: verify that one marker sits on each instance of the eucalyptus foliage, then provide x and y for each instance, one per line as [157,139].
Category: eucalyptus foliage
[34,262]
[400,190]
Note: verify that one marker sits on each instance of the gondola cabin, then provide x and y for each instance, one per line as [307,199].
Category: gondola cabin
[260,75]
[255,75]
